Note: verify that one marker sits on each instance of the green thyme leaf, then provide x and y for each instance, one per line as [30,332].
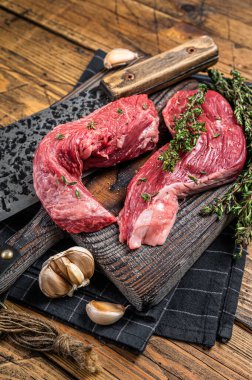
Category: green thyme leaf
[64,179]
[77,194]
[120,111]
[194,179]
[238,200]
[148,197]
[141,180]
[59,137]
[91,125]
[144,106]
[187,130]
[203,172]
[216,135]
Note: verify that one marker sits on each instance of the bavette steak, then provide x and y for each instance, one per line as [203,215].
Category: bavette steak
[217,158]
[117,132]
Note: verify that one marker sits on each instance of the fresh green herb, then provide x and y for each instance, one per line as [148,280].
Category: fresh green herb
[141,180]
[144,106]
[238,200]
[194,179]
[77,194]
[120,111]
[91,125]
[203,172]
[59,137]
[216,135]
[148,197]
[187,130]
[64,180]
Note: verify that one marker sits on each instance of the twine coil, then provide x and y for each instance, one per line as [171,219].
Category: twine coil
[37,335]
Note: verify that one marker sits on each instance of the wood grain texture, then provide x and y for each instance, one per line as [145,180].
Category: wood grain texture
[163,359]
[31,78]
[28,245]
[25,365]
[162,70]
[68,32]
[244,310]
[95,24]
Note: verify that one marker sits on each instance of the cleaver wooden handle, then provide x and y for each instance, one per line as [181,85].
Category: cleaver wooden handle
[27,245]
[162,70]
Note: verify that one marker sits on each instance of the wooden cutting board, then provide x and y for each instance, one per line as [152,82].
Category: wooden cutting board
[145,275]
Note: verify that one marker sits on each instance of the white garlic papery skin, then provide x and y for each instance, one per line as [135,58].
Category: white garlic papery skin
[65,272]
[118,57]
[104,313]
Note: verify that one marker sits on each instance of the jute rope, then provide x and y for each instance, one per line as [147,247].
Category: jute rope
[36,334]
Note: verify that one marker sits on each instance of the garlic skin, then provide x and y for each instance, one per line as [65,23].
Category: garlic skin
[65,272]
[105,313]
[119,57]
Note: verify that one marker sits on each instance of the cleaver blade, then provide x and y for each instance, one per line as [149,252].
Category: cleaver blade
[19,140]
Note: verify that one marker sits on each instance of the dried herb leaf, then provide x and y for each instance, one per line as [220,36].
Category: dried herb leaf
[77,194]
[60,136]
[91,125]
[148,197]
[141,180]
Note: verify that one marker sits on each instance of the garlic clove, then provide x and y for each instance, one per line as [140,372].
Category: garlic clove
[51,284]
[83,259]
[59,264]
[104,313]
[75,275]
[118,57]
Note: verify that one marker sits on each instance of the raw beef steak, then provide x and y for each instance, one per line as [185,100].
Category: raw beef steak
[217,158]
[116,132]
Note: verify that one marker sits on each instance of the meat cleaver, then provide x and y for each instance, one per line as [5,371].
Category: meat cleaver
[19,141]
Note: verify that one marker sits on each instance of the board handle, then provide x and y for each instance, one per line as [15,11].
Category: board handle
[24,247]
[162,70]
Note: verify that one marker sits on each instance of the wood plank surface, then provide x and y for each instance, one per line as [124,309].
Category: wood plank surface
[164,359]
[30,77]
[44,46]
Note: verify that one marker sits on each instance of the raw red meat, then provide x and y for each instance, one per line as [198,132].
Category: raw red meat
[217,158]
[117,132]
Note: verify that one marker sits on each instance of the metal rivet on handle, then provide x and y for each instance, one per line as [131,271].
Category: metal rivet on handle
[128,76]
[191,50]
[7,254]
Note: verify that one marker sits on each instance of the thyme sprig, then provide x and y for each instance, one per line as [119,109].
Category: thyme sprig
[143,179]
[91,125]
[64,180]
[238,200]
[148,197]
[59,136]
[187,130]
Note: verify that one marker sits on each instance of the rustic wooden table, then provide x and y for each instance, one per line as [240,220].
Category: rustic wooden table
[45,45]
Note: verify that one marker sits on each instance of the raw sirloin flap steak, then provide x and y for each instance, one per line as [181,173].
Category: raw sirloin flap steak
[217,158]
[119,131]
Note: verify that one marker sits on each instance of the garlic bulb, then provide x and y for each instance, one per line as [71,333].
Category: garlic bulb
[105,313]
[63,273]
[118,57]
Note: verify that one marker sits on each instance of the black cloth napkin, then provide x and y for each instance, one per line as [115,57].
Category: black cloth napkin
[200,309]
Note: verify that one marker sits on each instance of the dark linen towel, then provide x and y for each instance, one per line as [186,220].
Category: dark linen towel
[200,309]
